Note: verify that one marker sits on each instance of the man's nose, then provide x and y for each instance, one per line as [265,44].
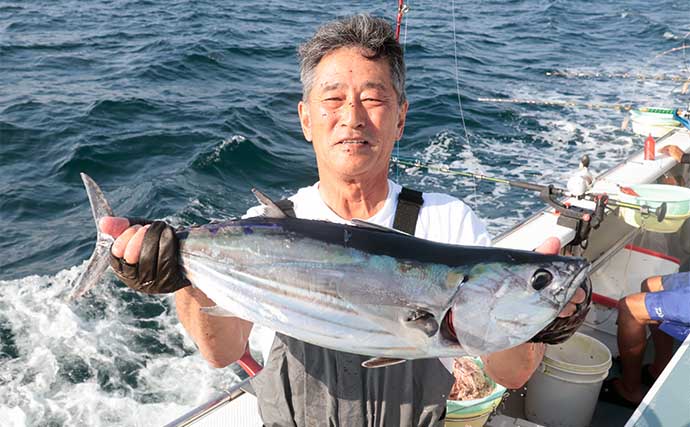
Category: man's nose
[353,115]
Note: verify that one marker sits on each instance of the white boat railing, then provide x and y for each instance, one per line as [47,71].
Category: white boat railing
[194,416]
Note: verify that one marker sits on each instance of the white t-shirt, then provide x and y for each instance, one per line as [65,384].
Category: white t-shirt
[442,219]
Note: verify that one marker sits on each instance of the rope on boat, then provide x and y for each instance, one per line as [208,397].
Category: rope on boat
[603,75]
[591,105]
[557,103]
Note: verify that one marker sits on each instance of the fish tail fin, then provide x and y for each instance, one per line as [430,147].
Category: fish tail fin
[99,260]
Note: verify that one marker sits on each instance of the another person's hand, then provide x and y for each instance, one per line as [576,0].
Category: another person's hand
[575,311]
[145,257]
[673,151]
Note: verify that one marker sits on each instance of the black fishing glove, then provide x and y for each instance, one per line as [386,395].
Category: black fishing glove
[563,328]
[158,270]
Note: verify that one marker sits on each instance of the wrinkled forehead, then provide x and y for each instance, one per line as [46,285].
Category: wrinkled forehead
[347,65]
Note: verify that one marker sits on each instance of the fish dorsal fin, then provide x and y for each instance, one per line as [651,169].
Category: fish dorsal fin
[381,362]
[270,209]
[366,224]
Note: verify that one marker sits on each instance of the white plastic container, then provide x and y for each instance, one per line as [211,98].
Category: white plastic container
[655,124]
[564,390]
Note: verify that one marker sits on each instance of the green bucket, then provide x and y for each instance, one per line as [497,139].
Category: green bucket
[677,201]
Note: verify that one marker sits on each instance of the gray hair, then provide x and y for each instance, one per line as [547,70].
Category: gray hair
[374,35]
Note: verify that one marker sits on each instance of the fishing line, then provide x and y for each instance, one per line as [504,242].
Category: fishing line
[457,90]
[675,49]
[457,78]
[684,88]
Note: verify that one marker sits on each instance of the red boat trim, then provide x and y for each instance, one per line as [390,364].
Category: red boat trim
[604,300]
[652,253]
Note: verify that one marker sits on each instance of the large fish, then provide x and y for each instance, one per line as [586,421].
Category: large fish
[363,288]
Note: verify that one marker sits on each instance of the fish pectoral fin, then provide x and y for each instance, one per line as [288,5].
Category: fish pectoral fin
[370,225]
[424,321]
[217,311]
[270,209]
[381,362]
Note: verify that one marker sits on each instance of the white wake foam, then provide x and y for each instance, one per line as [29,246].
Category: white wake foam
[112,358]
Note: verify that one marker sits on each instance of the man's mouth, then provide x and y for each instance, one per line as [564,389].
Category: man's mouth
[353,142]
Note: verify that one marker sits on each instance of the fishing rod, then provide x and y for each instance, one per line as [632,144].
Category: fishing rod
[660,212]
[581,219]
[402,10]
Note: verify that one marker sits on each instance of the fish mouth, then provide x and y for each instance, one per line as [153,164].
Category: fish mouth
[576,282]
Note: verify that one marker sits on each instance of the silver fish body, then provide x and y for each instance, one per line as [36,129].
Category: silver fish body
[365,290]
[375,292]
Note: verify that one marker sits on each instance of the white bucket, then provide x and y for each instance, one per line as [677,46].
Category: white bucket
[651,123]
[564,390]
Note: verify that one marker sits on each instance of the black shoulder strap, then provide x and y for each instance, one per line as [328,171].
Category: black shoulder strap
[407,211]
[287,206]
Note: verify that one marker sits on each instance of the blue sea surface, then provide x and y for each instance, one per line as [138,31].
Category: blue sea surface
[178,108]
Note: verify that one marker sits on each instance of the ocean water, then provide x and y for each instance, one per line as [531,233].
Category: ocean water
[178,108]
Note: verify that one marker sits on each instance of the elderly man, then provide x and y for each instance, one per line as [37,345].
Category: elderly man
[352,111]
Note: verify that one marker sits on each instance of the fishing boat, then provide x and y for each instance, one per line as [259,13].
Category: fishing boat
[624,245]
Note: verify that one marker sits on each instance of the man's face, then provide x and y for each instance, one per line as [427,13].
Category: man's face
[352,116]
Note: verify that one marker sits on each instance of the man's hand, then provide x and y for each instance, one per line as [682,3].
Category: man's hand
[145,257]
[128,239]
[673,151]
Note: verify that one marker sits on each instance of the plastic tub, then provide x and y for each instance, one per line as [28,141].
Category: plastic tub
[655,124]
[677,201]
[474,413]
[564,390]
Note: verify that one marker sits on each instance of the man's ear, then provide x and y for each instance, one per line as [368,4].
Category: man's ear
[401,119]
[304,119]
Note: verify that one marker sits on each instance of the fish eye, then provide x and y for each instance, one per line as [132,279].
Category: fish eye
[541,279]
